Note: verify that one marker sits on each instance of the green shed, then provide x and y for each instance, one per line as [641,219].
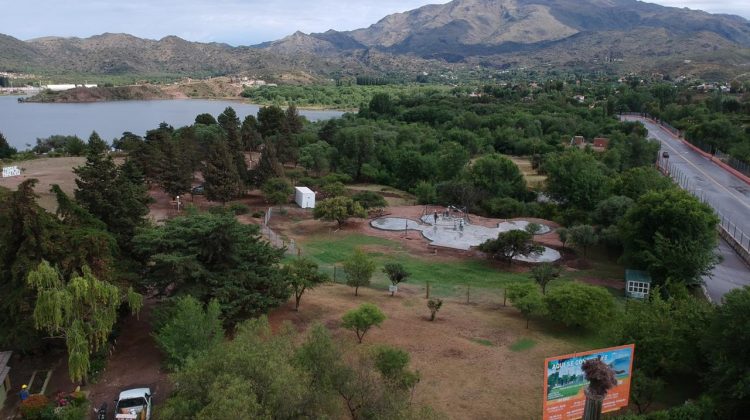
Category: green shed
[637,284]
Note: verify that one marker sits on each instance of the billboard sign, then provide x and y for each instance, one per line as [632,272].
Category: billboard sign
[564,382]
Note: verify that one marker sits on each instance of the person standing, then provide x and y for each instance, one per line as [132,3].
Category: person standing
[24,394]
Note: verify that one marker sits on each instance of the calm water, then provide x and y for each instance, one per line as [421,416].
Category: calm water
[23,123]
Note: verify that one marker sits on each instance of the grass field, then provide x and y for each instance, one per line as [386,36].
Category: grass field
[445,278]
[533,179]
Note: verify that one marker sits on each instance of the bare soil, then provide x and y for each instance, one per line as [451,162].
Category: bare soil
[48,171]
[468,370]
[135,362]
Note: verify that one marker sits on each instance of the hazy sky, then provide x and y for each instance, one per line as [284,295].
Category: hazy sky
[237,22]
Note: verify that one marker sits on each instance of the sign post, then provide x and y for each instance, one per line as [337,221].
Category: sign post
[10,171]
[564,382]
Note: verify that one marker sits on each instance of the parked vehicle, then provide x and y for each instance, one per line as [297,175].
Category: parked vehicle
[665,154]
[134,404]
[198,190]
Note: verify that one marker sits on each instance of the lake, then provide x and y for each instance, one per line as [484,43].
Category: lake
[23,123]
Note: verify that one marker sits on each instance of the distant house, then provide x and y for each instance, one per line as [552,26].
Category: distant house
[600,143]
[579,98]
[578,141]
[637,284]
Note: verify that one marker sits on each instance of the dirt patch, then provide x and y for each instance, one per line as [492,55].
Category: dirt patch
[48,171]
[135,362]
[462,375]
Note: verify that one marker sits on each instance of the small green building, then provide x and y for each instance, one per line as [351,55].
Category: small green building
[637,284]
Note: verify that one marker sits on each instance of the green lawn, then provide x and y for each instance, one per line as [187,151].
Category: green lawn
[445,278]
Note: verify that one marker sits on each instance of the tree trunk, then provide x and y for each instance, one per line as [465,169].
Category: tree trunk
[527,323]
[296,302]
[356,290]
[432,316]
[593,408]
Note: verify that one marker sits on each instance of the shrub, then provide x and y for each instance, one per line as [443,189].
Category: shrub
[34,406]
[191,330]
[426,193]
[580,305]
[239,208]
[503,207]
[258,214]
[360,320]
[370,199]
[434,306]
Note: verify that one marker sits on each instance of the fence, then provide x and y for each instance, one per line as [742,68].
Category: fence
[274,238]
[729,230]
[733,162]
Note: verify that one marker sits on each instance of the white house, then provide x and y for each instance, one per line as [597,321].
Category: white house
[304,197]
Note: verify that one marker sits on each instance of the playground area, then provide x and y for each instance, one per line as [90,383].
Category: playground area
[452,228]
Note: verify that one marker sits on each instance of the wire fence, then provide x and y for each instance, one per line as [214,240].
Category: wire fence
[737,164]
[731,229]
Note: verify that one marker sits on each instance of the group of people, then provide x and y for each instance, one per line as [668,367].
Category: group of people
[458,224]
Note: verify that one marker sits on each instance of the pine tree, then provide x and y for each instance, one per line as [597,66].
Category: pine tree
[230,123]
[116,196]
[222,182]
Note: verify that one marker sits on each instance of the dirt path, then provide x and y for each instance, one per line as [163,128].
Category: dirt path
[136,362]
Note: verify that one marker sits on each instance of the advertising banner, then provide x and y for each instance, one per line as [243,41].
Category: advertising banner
[564,382]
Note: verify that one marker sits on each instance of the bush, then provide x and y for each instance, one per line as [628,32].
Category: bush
[503,207]
[35,406]
[258,214]
[239,208]
[370,200]
[277,190]
[580,305]
[191,330]
[426,193]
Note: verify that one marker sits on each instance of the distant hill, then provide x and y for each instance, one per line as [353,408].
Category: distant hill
[593,34]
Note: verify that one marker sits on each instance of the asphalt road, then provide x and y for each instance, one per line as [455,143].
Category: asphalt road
[727,194]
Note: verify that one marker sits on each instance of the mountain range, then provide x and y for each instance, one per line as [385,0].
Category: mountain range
[591,34]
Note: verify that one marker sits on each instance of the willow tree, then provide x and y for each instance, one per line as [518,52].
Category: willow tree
[83,311]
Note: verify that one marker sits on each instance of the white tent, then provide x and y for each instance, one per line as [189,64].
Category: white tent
[304,197]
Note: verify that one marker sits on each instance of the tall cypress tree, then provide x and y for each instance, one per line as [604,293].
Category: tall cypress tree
[230,123]
[116,196]
[222,182]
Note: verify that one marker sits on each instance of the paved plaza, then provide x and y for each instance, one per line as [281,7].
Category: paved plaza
[455,232]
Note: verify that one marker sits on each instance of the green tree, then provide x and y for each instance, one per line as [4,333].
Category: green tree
[529,303]
[510,244]
[356,147]
[271,121]
[316,157]
[358,269]
[277,190]
[580,305]
[360,320]
[205,119]
[667,333]
[6,150]
[212,255]
[302,275]
[392,363]
[638,181]
[564,235]
[116,196]
[339,209]
[425,192]
[672,235]
[434,306]
[584,237]
[222,182]
[190,331]
[577,179]
[544,273]
[726,344]
[609,211]
[82,310]
[396,273]
[230,124]
[370,200]
[497,176]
